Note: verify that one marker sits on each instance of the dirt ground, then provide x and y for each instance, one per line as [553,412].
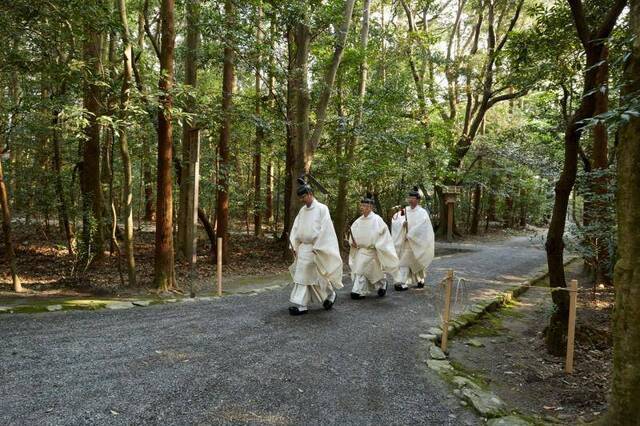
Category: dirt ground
[46,269]
[514,363]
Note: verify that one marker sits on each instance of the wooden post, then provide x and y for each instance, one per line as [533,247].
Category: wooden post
[450,221]
[571,334]
[219,268]
[446,313]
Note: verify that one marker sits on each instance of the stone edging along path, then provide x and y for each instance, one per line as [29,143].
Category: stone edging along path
[69,304]
[466,386]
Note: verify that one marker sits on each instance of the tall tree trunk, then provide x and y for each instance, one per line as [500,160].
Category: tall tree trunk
[301,39]
[593,42]
[6,230]
[268,210]
[92,198]
[304,145]
[190,179]
[257,149]
[523,208]
[15,96]
[595,207]
[164,272]
[147,175]
[289,193]
[348,158]
[329,80]
[63,207]
[228,86]
[508,212]
[623,404]
[127,181]
[475,218]
[147,178]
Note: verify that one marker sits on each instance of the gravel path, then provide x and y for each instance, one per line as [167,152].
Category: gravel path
[242,359]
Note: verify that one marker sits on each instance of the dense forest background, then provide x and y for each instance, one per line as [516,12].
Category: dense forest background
[116,114]
[135,132]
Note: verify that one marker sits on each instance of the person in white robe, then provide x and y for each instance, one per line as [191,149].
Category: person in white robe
[414,240]
[317,266]
[372,252]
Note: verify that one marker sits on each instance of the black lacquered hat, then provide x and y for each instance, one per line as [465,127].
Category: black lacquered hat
[367,199]
[415,192]
[303,187]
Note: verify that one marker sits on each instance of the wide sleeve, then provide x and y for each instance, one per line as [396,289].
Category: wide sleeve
[398,231]
[385,248]
[293,235]
[327,252]
[422,238]
[352,250]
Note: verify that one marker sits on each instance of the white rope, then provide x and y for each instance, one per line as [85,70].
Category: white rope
[512,285]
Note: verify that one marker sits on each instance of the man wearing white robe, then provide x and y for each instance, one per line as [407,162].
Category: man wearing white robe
[317,267]
[414,241]
[372,252]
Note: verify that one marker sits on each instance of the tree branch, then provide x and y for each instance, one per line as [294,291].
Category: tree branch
[506,97]
[580,21]
[610,20]
[321,109]
[147,29]
[512,24]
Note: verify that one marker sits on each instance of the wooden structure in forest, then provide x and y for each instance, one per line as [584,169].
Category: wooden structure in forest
[450,194]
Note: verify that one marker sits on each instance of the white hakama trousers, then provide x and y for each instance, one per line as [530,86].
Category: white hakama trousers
[304,295]
[309,286]
[409,277]
[410,271]
[367,273]
[362,286]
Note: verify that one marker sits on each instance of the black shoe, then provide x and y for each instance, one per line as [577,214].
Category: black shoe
[294,310]
[356,296]
[382,291]
[420,284]
[399,287]
[328,304]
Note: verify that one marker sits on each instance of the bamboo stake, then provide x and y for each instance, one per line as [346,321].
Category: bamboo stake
[446,313]
[571,335]
[219,268]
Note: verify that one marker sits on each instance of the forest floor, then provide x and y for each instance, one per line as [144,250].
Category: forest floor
[506,350]
[47,270]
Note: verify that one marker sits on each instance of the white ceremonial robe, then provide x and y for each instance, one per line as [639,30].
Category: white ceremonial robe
[317,268]
[414,242]
[375,254]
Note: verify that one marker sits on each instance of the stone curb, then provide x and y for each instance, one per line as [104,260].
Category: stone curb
[128,303]
[484,402]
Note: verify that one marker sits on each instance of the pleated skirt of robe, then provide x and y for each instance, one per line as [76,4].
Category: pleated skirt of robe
[410,271]
[308,285]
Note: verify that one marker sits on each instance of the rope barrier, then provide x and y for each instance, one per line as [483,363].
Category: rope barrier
[521,284]
[460,294]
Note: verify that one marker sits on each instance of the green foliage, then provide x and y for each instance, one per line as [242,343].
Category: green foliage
[516,159]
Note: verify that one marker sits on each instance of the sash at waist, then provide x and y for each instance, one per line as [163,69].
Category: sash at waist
[367,251]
